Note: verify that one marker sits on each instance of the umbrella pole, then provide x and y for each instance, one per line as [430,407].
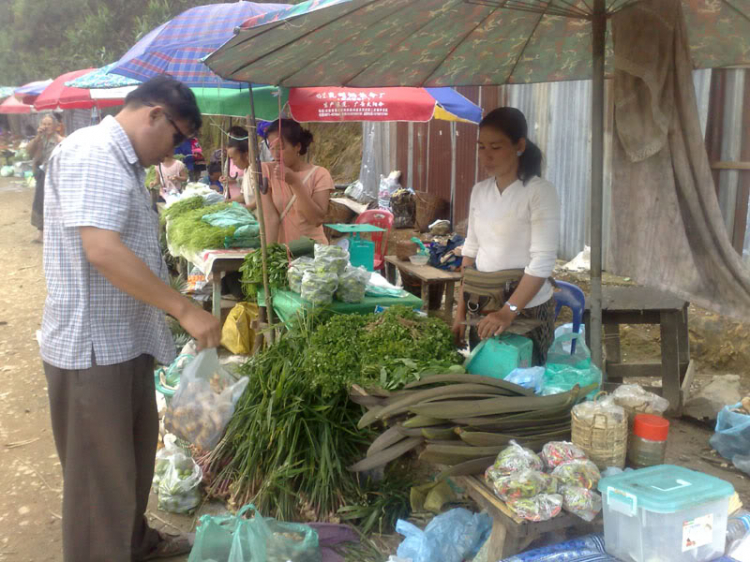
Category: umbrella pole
[252,144]
[597,178]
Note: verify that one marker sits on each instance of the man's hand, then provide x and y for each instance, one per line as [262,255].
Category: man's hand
[202,325]
[459,332]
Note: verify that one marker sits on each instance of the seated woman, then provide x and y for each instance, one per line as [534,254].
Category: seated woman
[297,200]
[237,151]
[213,180]
[511,245]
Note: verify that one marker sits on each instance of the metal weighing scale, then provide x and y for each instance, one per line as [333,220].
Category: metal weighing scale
[361,252]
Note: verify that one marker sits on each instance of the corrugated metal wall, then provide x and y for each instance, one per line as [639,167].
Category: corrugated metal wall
[559,117]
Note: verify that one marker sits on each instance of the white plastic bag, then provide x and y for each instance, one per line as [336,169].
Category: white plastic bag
[204,402]
[352,284]
[177,479]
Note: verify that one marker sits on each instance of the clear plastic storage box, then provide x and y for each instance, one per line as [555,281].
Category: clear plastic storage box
[665,514]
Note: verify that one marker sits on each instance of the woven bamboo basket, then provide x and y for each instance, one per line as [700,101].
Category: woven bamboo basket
[429,208]
[405,248]
[337,214]
[603,438]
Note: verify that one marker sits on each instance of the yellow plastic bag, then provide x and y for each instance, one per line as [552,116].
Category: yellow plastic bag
[238,333]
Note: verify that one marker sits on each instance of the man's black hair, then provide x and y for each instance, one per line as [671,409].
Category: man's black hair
[173,94]
[214,167]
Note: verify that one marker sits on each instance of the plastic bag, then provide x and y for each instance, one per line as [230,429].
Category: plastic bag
[388,185]
[558,354]
[318,288]
[177,480]
[296,270]
[515,458]
[263,539]
[562,378]
[556,453]
[568,329]
[238,332]
[582,473]
[606,406]
[732,437]
[635,398]
[581,501]
[528,378]
[352,284]
[235,215]
[247,236]
[214,536]
[204,402]
[330,259]
[524,484]
[451,537]
[539,508]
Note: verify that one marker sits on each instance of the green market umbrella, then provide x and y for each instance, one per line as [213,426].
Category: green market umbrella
[378,43]
[235,102]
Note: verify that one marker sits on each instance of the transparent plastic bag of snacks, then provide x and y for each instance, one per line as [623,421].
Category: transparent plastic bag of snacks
[515,458]
[297,270]
[319,288]
[353,284]
[330,259]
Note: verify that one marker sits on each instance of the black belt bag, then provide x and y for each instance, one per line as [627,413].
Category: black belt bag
[488,291]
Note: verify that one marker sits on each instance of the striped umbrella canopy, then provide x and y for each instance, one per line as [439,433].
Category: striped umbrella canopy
[12,106]
[29,92]
[101,78]
[177,47]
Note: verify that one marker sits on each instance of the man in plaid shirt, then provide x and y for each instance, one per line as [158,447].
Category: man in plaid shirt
[104,322]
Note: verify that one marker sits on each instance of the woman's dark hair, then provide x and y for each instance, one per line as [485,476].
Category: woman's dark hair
[58,116]
[176,96]
[512,123]
[293,133]
[238,139]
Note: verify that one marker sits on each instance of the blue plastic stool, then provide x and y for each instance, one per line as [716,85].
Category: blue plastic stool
[571,296]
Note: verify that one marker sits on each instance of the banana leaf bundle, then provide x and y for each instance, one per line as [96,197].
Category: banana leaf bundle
[462,421]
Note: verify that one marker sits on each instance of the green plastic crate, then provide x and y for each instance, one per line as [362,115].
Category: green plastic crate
[498,356]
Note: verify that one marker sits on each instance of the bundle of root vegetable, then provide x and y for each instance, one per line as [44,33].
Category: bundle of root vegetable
[464,421]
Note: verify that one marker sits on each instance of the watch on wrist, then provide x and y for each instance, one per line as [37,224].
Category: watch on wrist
[513,308]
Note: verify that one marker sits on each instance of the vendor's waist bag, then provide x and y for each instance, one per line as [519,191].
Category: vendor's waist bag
[488,291]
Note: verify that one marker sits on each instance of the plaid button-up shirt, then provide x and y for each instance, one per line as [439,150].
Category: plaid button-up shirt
[94,179]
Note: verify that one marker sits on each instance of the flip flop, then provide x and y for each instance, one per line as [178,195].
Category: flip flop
[171,545]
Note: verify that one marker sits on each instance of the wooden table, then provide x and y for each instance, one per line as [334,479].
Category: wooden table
[511,534]
[640,305]
[428,276]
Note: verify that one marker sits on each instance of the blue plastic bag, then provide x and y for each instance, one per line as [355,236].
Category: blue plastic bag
[451,537]
[528,378]
[565,369]
[732,437]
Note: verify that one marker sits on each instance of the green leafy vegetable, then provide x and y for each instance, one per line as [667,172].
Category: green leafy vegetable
[252,270]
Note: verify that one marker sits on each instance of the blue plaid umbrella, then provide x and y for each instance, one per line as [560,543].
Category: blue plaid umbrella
[177,47]
[29,92]
[101,78]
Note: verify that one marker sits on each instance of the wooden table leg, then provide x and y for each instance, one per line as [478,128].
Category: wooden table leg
[450,292]
[587,325]
[216,294]
[425,296]
[612,343]
[496,541]
[683,337]
[670,360]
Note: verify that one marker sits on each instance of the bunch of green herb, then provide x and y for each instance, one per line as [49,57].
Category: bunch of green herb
[183,205]
[150,177]
[287,446]
[252,270]
[187,231]
[381,503]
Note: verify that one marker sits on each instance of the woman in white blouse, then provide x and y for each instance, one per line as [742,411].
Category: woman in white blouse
[513,231]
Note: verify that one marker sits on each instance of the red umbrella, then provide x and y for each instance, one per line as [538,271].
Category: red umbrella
[14,106]
[57,94]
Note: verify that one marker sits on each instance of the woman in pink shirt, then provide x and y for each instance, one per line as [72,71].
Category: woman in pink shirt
[297,202]
[171,175]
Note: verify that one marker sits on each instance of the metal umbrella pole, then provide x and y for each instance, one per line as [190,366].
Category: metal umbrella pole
[597,177]
[262,188]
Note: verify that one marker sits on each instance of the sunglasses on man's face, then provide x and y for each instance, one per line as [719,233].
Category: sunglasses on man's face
[178,137]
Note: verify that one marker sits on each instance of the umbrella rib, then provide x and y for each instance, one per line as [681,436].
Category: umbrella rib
[526,44]
[519,7]
[287,21]
[736,9]
[575,9]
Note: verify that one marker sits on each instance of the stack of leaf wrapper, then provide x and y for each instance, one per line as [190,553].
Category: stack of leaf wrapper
[192,226]
[465,421]
[294,430]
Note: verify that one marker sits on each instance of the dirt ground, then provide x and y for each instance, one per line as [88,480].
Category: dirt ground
[30,478]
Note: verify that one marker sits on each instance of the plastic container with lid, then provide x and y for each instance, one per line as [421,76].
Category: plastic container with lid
[665,514]
[648,444]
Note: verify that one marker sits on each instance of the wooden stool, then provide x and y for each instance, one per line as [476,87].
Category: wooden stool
[428,275]
[511,534]
[640,305]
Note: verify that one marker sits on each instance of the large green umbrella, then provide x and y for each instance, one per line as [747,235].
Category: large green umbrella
[367,43]
[234,102]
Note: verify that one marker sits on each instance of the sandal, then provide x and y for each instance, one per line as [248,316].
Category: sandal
[171,545]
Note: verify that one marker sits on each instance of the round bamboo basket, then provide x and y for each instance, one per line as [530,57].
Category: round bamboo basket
[603,438]
[337,214]
[405,248]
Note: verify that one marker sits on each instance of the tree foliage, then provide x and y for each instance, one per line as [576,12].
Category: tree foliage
[44,38]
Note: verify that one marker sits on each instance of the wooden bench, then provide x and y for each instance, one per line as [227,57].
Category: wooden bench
[428,276]
[640,305]
[511,534]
